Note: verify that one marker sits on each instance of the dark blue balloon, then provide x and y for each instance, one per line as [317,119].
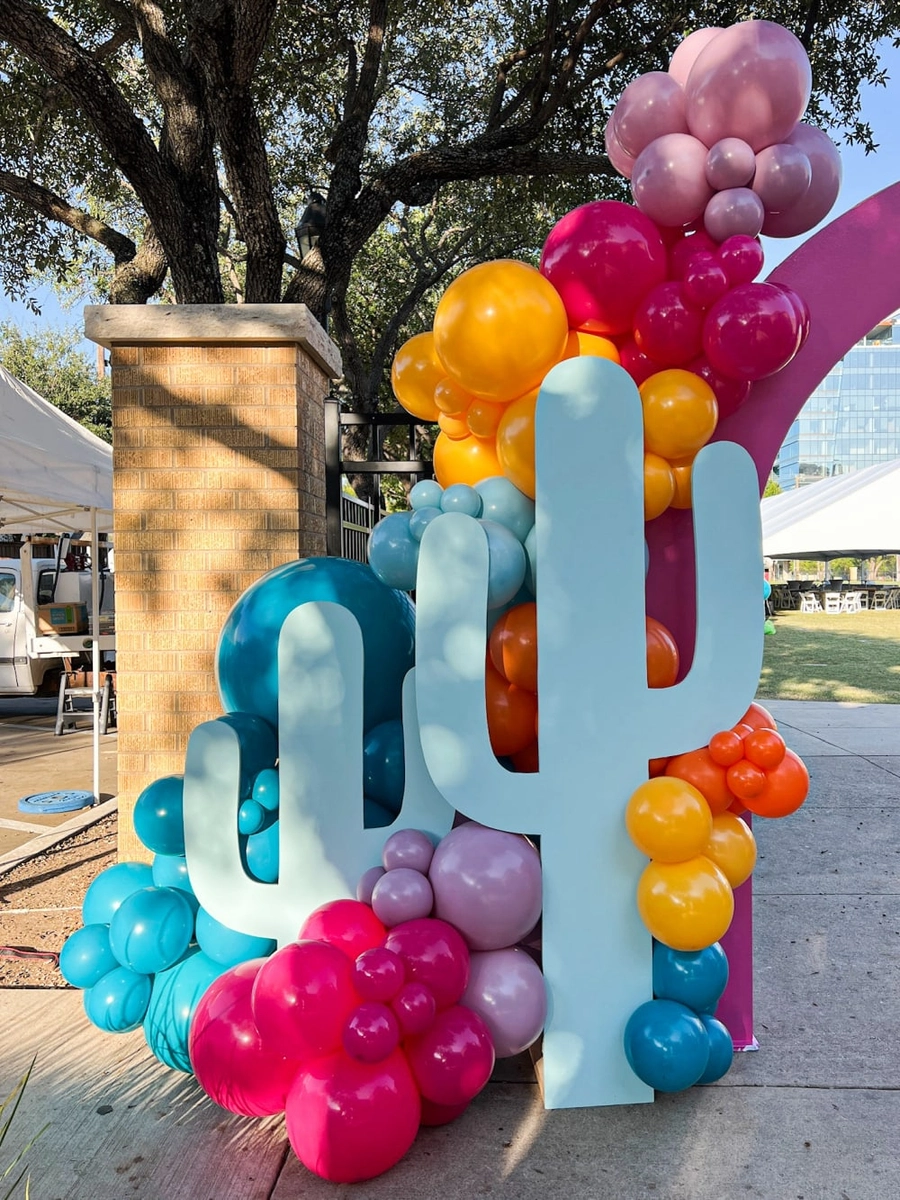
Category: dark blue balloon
[110,888]
[117,1002]
[87,956]
[384,771]
[173,1000]
[696,978]
[248,646]
[159,815]
[151,929]
[227,946]
[721,1050]
[259,746]
[666,1045]
[375,815]
[262,854]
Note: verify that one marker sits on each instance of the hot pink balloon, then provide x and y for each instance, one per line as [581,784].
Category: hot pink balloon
[415,1008]
[669,179]
[651,105]
[452,1061]
[752,81]
[751,332]
[704,281]
[348,924]
[620,159]
[734,211]
[227,1053]
[302,996]
[507,990]
[434,954]
[730,163]
[815,204]
[682,253]
[378,974]
[371,1032]
[783,175]
[730,393]
[687,52]
[741,258]
[441,1114]
[668,330]
[636,362]
[348,1121]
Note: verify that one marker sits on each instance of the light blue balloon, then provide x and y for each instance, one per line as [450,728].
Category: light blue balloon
[504,503]
[394,552]
[507,563]
[262,854]
[171,870]
[110,888]
[158,815]
[87,956]
[461,498]
[384,770]
[229,947]
[666,1045]
[151,929]
[721,1050]
[767,589]
[531,554]
[696,978]
[174,997]
[251,817]
[117,1002]
[426,494]
[421,519]
[266,789]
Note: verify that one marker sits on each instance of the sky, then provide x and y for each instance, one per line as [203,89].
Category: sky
[864,174]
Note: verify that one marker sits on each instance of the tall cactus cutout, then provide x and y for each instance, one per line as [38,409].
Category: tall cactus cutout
[599,721]
[323,846]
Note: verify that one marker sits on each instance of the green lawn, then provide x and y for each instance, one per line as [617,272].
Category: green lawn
[848,656]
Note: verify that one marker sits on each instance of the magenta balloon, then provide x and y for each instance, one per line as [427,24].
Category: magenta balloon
[367,882]
[636,362]
[669,179]
[751,332]
[734,211]
[415,1008]
[603,258]
[730,163]
[507,990]
[301,998]
[620,159]
[402,895]
[682,253]
[227,1053]
[371,1032]
[815,204]
[441,1114]
[687,52]
[667,329]
[783,175]
[730,393]
[651,105]
[801,308]
[434,954]
[704,281]
[408,848]
[452,1061]
[487,884]
[752,82]
[378,974]
[742,259]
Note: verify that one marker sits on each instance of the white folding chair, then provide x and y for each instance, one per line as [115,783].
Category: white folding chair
[833,602]
[851,602]
[809,602]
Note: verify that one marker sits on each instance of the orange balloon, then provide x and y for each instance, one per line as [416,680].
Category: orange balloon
[415,373]
[484,417]
[726,748]
[787,786]
[452,400]
[513,646]
[765,748]
[687,905]
[454,427]
[732,847]
[657,766]
[758,717]
[515,443]
[659,486]
[510,714]
[526,761]
[682,473]
[464,460]
[680,413]
[580,344]
[698,768]
[668,820]
[662,655]
[499,328]
[745,780]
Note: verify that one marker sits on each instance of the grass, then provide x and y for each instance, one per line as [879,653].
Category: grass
[845,656]
[8,1110]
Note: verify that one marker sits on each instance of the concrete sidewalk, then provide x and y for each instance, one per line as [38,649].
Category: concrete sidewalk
[814,1115]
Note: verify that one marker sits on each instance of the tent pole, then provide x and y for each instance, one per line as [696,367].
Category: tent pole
[95,648]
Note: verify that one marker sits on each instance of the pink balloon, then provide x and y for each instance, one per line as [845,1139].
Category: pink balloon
[415,1008]
[815,204]
[682,252]
[227,1053]
[687,52]
[507,990]
[348,924]
[734,211]
[651,105]
[433,954]
[452,1061]
[366,884]
[301,998]
[668,330]
[730,393]
[752,81]
[408,848]
[378,974]
[730,163]
[348,1121]
[669,179]
[402,895]
[704,281]
[741,258]
[371,1032]
[783,175]
[620,159]
[441,1114]
[603,258]
[801,308]
[751,332]
[636,362]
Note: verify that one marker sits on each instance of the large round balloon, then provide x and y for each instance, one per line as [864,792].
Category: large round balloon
[669,180]
[507,990]
[247,655]
[687,905]
[465,460]
[825,183]
[515,443]
[666,1045]
[173,1002]
[651,105]
[415,373]
[752,332]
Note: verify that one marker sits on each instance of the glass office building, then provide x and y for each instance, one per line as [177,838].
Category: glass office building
[852,419]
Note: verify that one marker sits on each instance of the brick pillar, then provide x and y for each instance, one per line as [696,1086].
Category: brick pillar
[218,461]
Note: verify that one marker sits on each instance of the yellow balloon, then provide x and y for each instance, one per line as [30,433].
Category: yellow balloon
[680,413]
[454,427]
[668,819]
[499,328]
[484,417]
[659,486]
[451,399]
[732,847]
[464,460]
[681,472]
[580,343]
[515,443]
[415,373]
[687,905]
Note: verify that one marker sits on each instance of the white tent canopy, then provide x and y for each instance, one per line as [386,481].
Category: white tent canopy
[847,516]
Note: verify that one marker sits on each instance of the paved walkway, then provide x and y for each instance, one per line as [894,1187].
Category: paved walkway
[814,1115]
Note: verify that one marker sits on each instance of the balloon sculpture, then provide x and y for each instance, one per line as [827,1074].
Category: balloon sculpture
[344,920]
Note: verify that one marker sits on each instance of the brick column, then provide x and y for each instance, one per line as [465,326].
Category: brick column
[218,461]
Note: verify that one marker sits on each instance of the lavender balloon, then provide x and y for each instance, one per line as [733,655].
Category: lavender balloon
[367,883]
[507,990]
[651,105]
[815,204]
[408,848]
[783,175]
[688,51]
[488,884]
[734,211]
[669,180]
[730,164]
[620,159]
[402,895]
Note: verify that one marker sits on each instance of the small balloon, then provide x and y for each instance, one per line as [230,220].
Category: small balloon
[461,498]
[730,164]
[734,211]
[408,848]
[158,815]
[669,180]
[666,1045]
[650,106]
[394,552]
[696,978]
[668,820]
[783,175]
[687,905]
[402,895]
[415,372]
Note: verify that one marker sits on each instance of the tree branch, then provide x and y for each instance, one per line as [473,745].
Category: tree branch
[55,208]
[349,143]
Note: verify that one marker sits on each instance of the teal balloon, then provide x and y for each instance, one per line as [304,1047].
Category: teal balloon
[110,888]
[87,956]
[421,519]
[247,655]
[767,589]
[251,817]
[461,498]
[266,789]
[504,503]
[228,947]
[384,770]
[258,742]
[531,555]
[375,815]
[426,494]
[696,978]
[666,1045]
[262,854]
[721,1050]
[394,552]
[171,870]
[507,563]
[174,997]
[151,929]
[117,1002]
[159,815]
